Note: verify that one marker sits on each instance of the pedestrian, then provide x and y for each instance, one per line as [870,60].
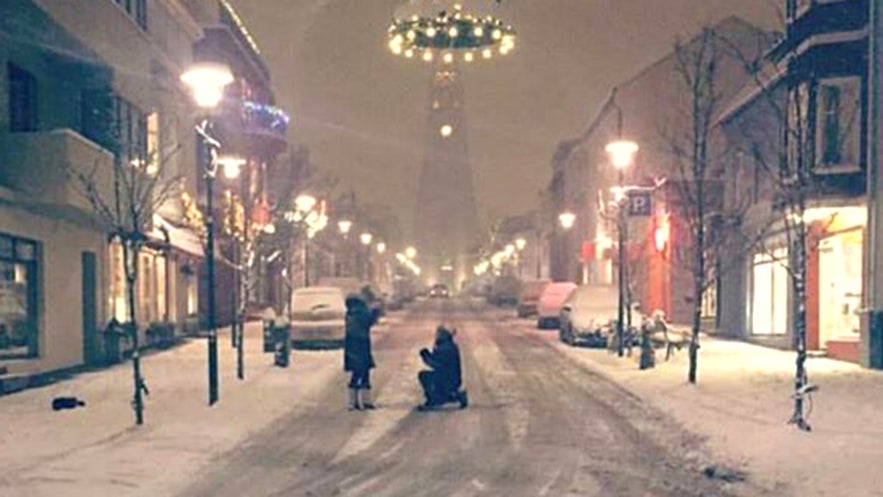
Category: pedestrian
[357,358]
[441,384]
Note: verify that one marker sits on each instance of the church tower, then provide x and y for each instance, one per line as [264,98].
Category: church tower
[445,222]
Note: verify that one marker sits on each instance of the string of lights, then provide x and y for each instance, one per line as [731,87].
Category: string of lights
[448,33]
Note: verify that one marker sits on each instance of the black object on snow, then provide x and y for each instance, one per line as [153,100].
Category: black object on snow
[60,403]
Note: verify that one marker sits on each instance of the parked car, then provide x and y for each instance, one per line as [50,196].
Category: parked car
[550,304]
[439,291]
[505,290]
[318,317]
[530,297]
[588,315]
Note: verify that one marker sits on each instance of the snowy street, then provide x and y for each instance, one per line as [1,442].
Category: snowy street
[539,424]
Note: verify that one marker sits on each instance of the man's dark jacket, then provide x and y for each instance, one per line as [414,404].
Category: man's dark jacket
[445,362]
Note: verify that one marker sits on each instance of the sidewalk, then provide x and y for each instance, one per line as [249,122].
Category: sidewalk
[742,403]
[97,449]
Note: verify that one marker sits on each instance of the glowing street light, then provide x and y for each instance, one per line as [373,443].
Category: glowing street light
[207,80]
[305,202]
[520,244]
[411,252]
[366,238]
[622,153]
[381,248]
[567,220]
[344,226]
[231,164]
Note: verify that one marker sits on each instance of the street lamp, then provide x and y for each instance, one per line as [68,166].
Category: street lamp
[366,238]
[520,243]
[305,202]
[567,220]
[381,248]
[622,153]
[207,81]
[411,253]
[232,165]
[344,226]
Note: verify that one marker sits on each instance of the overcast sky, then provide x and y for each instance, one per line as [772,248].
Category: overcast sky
[361,110]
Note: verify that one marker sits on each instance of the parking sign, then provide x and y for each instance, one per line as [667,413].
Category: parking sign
[639,203]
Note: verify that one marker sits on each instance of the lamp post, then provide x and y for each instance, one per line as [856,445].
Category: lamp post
[345,225]
[207,81]
[304,204]
[621,153]
[520,244]
[366,238]
[567,220]
[232,166]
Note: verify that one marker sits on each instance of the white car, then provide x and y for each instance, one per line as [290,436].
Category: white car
[318,317]
[587,315]
[550,304]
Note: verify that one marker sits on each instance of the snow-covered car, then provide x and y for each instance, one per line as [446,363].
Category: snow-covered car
[550,304]
[318,317]
[588,314]
[529,297]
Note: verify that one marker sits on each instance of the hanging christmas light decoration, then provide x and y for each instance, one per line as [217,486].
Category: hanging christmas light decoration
[440,28]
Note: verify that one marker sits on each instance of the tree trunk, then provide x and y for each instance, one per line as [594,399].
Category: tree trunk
[698,282]
[130,262]
[799,286]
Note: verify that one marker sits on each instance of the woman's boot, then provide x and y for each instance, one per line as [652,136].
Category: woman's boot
[354,400]
[366,399]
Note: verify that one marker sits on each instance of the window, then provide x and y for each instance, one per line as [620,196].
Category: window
[137,10]
[837,125]
[152,143]
[22,99]
[18,298]
[150,295]
[117,125]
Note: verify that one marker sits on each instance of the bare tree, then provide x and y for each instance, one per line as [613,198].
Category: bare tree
[139,187]
[783,151]
[697,67]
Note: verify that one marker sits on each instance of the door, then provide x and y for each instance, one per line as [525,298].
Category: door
[90,315]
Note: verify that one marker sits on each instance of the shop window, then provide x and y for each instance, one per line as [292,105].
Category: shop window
[769,297]
[19,331]
[22,99]
[150,295]
[837,125]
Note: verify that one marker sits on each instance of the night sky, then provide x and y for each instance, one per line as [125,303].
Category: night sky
[361,110]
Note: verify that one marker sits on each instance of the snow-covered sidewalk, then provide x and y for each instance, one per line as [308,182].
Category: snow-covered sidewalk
[742,403]
[97,450]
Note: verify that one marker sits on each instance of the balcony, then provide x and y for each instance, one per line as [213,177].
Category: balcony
[43,167]
[815,22]
[255,128]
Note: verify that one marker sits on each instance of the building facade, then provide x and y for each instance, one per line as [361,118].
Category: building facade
[651,109]
[81,106]
[808,110]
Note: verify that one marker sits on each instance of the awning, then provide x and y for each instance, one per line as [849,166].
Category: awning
[178,238]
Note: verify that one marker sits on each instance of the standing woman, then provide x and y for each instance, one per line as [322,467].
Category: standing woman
[357,358]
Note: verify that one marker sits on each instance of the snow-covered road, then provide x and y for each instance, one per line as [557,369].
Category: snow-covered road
[539,424]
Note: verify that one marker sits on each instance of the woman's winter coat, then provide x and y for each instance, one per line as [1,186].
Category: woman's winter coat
[357,341]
